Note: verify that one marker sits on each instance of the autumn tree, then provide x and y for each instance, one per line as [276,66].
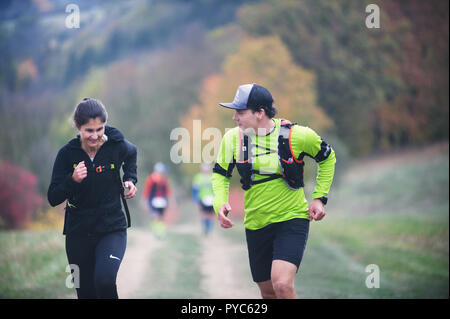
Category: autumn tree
[418,112]
[383,87]
[267,62]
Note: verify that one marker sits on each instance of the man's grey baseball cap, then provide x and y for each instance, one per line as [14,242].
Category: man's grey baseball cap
[250,96]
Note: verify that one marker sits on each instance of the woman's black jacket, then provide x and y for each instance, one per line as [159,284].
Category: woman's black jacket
[94,205]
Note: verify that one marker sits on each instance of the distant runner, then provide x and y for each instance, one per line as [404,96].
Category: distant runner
[202,195]
[156,196]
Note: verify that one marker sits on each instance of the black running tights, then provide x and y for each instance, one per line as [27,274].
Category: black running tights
[97,258]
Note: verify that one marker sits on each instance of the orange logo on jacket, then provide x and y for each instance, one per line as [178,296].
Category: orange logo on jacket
[100,169]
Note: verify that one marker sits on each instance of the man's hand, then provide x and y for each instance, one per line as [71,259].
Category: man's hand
[224,221]
[80,172]
[131,189]
[316,210]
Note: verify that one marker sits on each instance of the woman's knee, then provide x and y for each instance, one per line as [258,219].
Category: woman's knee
[105,285]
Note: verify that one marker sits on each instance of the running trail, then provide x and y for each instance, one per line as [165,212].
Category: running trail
[225,268]
[222,262]
[140,245]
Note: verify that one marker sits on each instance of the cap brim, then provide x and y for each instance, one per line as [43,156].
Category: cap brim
[232,106]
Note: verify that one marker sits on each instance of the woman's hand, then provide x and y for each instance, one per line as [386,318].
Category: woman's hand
[131,189]
[80,172]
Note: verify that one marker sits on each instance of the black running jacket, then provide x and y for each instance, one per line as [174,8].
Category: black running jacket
[94,205]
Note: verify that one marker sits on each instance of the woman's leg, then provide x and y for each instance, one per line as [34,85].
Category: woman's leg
[109,254]
[80,250]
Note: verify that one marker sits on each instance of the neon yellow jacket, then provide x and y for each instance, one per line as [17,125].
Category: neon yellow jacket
[272,201]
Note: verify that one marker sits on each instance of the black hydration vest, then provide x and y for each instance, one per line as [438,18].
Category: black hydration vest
[291,167]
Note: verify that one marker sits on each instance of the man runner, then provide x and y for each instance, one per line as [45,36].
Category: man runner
[269,154]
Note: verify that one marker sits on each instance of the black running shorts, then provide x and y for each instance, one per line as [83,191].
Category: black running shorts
[284,240]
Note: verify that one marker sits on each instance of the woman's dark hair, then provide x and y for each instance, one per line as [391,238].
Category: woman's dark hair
[89,109]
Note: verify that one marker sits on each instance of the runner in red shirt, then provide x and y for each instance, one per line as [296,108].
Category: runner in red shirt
[156,196]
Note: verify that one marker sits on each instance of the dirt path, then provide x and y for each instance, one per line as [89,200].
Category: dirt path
[223,264]
[225,269]
[140,245]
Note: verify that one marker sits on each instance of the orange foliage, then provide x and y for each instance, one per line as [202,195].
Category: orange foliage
[27,70]
[267,62]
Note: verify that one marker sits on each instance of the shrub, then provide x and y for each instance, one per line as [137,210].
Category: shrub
[19,199]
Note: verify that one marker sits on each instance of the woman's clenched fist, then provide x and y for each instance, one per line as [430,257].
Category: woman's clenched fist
[80,172]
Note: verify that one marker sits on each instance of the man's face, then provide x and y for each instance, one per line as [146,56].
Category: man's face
[246,120]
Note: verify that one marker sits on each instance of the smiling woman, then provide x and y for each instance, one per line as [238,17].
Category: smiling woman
[90,119]
[86,175]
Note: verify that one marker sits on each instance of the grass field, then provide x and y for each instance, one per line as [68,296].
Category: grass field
[392,211]
[389,211]
[32,265]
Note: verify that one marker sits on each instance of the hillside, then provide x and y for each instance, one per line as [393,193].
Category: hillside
[391,211]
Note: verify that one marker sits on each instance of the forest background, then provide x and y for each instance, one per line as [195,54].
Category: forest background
[159,66]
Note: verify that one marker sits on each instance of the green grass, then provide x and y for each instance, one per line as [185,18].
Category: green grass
[33,265]
[412,185]
[392,213]
[412,256]
[396,217]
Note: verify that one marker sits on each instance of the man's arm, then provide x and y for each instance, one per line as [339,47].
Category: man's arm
[220,185]
[325,174]
[220,180]
[310,143]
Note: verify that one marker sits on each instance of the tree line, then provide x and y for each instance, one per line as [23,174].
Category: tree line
[159,65]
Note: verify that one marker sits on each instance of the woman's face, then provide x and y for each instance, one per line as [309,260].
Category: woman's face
[91,133]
